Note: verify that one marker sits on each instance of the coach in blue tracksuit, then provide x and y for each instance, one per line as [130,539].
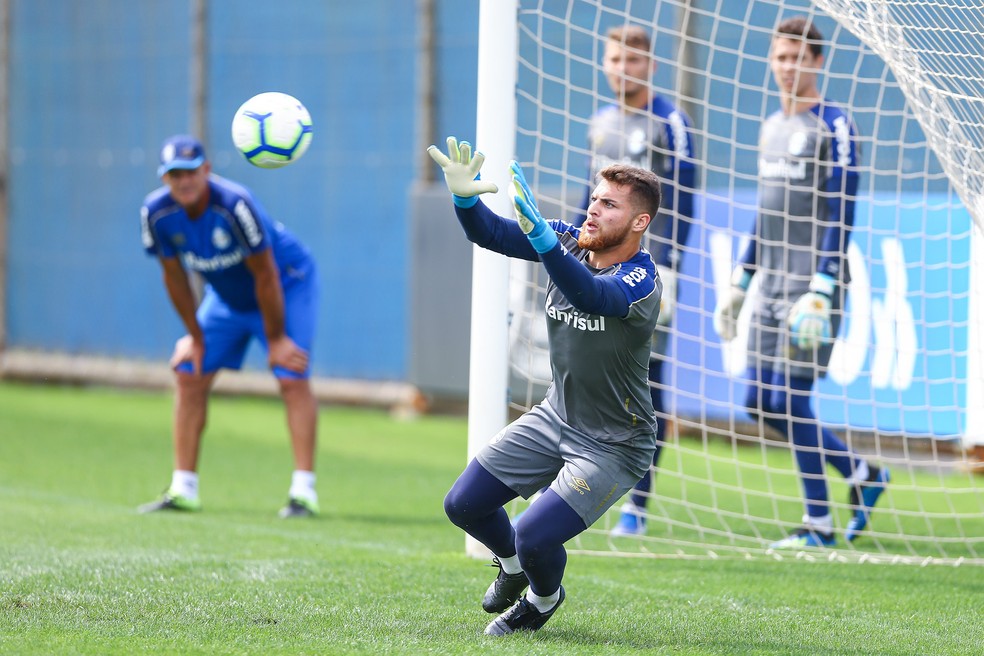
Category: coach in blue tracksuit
[260,282]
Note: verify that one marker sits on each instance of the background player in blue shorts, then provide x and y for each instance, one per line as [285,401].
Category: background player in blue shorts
[808,180]
[260,282]
[593,436]
[648,131]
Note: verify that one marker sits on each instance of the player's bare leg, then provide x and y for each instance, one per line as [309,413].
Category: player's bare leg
[190,414]
[302,422]
[188,423]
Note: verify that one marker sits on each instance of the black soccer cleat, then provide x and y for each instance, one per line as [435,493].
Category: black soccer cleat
[169,501]
[297,507]
[522,617]
[504,591]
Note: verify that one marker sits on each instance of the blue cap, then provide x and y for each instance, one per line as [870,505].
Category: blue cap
[181,152]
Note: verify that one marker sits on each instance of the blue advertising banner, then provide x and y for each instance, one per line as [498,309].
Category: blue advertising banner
[900,361]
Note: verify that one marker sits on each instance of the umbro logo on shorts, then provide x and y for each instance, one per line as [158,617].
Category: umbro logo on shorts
[580,485]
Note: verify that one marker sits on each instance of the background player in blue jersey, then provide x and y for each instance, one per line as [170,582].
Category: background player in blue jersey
[808,180]
[646,130]
[593,436]
[260,282]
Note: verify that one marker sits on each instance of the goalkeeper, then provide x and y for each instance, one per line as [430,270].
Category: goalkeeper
[594,434]
[808,180]
[648,131]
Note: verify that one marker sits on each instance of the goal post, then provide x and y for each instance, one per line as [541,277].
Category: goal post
[907,377]
[973,436]
[495,137]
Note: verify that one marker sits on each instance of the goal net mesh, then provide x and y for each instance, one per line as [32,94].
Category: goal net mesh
[904,379]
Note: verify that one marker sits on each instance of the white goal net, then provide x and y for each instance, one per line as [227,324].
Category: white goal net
[904,387]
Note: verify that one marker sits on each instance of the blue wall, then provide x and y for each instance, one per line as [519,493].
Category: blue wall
[900,363]
[96,87]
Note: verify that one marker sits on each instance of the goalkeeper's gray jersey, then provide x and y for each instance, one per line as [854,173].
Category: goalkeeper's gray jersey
[649,139]
[798,155]
[657,138]
[601,364]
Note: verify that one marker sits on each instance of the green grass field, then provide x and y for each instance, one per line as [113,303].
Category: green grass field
[382,571]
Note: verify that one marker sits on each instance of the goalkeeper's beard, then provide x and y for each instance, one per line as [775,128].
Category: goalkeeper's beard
[602,241]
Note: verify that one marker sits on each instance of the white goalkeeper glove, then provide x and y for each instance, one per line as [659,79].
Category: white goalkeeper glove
[729,305]
[462,172]
[667,302]
[809,318]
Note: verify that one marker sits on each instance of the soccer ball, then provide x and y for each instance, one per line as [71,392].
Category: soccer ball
[272,129]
